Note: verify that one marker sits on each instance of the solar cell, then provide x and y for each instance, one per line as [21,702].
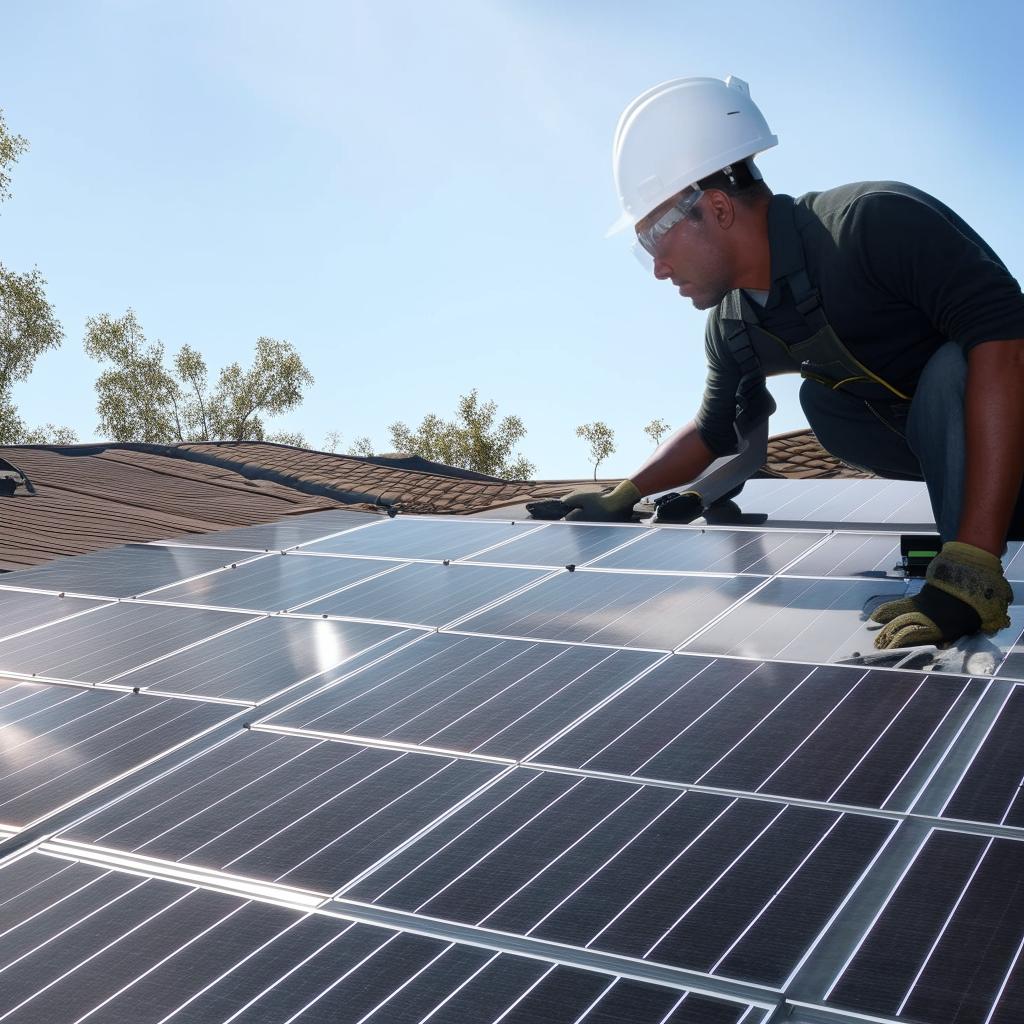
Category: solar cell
[498,697]
[410,537]
[101,644]
[625,609]
[739,888]
[261,658]
[275,582]
[798,731]
[991,788]
[280,535]
[559,544]
[947,945]
[307,813]
[118,947]
[121,572]
[853,554]
[58,743]
[422,593]
[21,610]
[679,549]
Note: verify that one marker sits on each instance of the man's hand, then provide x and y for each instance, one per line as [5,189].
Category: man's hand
[597,507]
[965,590]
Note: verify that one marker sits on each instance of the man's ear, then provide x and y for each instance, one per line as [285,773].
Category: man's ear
[721,208]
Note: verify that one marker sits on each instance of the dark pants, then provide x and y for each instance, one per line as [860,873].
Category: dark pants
[922,440]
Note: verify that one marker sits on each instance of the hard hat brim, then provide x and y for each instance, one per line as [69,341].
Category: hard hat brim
[625,221]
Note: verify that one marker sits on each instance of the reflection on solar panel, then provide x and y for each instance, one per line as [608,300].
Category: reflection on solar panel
[60,743]
[21,610]
[496,790]
[122,572]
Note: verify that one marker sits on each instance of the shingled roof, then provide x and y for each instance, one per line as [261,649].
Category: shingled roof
[95,496]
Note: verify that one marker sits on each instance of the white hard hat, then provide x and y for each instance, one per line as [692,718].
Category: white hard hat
[678,132]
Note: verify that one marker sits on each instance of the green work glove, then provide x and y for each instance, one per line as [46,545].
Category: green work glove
[615,506]
[964,591]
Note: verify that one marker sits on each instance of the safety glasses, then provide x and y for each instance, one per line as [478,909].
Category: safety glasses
[649,238]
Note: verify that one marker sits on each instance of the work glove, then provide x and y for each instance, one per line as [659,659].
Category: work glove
[615,506]
[965,590]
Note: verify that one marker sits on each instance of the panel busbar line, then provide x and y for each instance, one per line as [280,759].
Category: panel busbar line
[947,945]
[22,610]
[122,572]
[101,644]
[308,813]
[503,698]
[813,733]
[624,609]
[719,551]
[423,594]
[730,887]
[561,544]
[261,658]
[432,539]
[82,943]
[59,743]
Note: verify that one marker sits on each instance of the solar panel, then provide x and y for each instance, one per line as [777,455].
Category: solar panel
[676,785]
[689,879]
[305,812]
[260,658]
[101,644]
[21,610]
[950,937]
[827,620]
[817,733]
[123,948]
[60,743]
[421,538]
[625,609]
[121,572]
[502,698]
[424,594]
[275,582]
[559,544]
[680,549]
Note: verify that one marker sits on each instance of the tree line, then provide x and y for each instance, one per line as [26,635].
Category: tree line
[145,396]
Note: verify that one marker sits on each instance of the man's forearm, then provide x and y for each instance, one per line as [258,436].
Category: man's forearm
[994,416]
[678,460]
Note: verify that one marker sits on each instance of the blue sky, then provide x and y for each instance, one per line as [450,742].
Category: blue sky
[416,194]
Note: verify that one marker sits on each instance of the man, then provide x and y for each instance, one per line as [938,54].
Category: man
[906,327]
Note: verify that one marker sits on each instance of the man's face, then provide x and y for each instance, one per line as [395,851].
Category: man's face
[692,255]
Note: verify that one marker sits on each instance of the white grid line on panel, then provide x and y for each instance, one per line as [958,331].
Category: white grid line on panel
[979,709]
[125,774]
[75,924]
[64,618]
[541,578]
[359,878]
[228,566]
[159,963]
[1014,962]
[331,683]
[558,953]
[187,647]
[302,963]
[408,981]
[870,926]
[590,712]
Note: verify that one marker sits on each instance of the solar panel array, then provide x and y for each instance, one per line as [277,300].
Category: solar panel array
[360,769]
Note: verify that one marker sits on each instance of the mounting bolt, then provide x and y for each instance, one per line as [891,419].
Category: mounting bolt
[447,561]
[571,567]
